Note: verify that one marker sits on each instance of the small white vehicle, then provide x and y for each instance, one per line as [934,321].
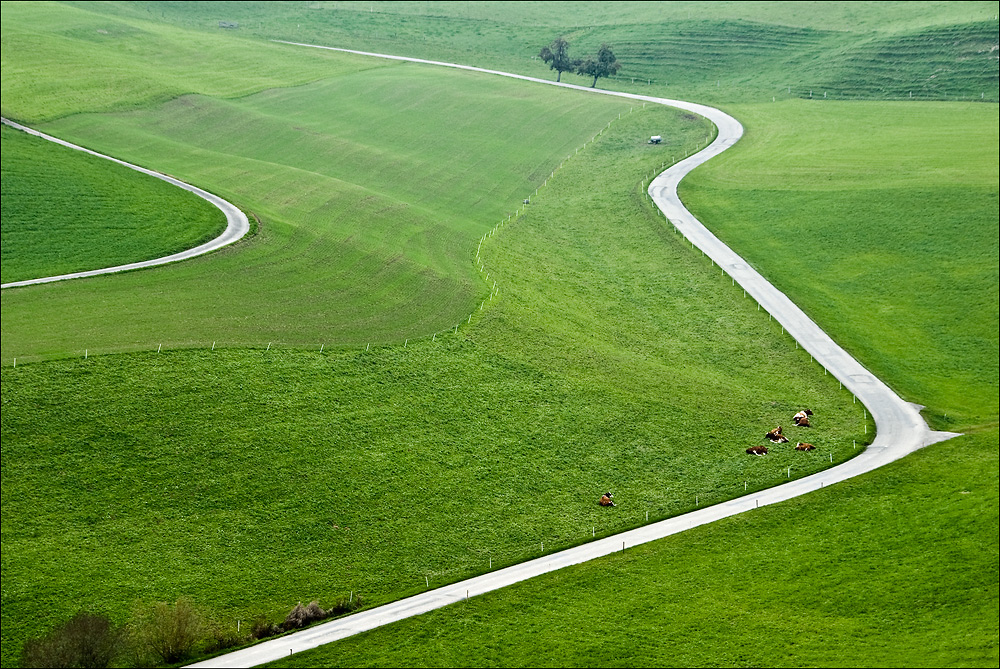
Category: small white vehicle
[655,139]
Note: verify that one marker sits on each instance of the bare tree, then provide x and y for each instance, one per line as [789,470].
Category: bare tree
[557,56]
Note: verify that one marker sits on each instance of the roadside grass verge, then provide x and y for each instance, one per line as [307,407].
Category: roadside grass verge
[373,189]
[888,569]
[66,211]
[612,357]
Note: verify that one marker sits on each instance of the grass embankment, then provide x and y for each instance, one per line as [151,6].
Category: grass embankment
[66,211]
[372,187]
[895,568]
[613,357]
[724,52]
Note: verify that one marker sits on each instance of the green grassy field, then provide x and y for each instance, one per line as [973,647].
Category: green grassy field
[881,221]
[133,63]
[895,568]
[65,211]
[264,477]
[250,479]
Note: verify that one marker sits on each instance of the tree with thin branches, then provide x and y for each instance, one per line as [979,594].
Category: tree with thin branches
[604,65]
[557,56]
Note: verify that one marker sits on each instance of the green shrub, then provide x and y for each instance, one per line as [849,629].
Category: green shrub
[345,605]
[261,628]
[166,632]
[219,638]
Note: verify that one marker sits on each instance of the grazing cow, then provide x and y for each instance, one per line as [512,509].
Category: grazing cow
[801,419]
[606,499]
[757,450]
[776,436]
[804,447]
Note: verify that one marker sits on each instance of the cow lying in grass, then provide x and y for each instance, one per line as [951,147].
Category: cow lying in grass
[776,437]
[804,447]
[606,499]
[757,450]
[801,418]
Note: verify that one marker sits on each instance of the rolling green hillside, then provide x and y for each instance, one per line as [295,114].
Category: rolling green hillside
[128,64]
[250,479]
[886,234]
[251,475]
[429,160]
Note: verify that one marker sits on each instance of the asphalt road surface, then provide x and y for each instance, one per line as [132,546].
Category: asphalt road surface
[237,224]
[900,428]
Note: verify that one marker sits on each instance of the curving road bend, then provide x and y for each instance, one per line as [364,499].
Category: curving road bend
[237,224]
[901,429]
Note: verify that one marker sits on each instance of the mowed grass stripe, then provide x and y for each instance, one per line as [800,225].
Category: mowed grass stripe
[265,477]
[65,211]
[369,226]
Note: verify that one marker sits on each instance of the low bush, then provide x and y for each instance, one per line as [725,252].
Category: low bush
[261,628]
[300,616]
[345,605]
[85,640]
[220,639]
[165,632]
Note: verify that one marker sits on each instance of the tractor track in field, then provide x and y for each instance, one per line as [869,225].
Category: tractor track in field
[901,429]
[237,224]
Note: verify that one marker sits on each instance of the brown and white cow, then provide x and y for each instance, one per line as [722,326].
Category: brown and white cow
[801,418]
[804,447]
[757,450]
[606,499]
[776,436]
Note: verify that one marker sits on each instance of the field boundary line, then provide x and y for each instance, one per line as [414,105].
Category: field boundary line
[237,224]
[901,429]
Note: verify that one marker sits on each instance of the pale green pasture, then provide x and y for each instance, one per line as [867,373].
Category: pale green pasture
[824,145]
[846,16]
[373,189]
[60,60]
[722,51]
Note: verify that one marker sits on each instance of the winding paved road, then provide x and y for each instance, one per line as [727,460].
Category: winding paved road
[237,224]
[901,429]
